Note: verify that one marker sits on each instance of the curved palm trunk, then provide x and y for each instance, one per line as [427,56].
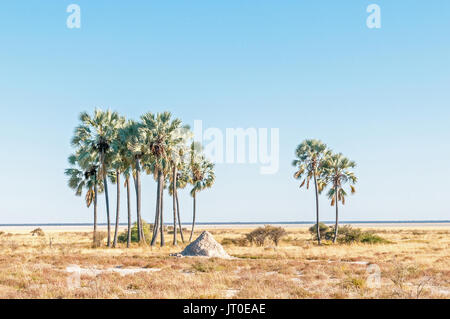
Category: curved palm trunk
[105,181]
[317,208]
[193,217]
[163,243]
[116,229]
[174,202]
[129,213]
[336,227]
[179,219]
[158,207]
[95,212]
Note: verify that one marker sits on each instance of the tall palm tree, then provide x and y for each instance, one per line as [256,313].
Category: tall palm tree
[158,134]
[96,133]
[126,145]
[177,159]
[137,149]
[202,177]
[337,172]
[311,155]
[121,163]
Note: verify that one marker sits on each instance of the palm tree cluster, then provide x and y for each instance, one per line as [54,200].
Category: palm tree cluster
[316,163]
[108,147]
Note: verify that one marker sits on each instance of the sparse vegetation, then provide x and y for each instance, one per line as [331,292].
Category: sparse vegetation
[147,229]
[99,239]
[241,241]
[261,234]
[347,235]
[29,268]
[38,232]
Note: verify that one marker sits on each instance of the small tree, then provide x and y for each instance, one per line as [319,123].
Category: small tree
[276,233]
[259,235]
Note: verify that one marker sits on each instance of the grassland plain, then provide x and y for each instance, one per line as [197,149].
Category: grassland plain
[415,264]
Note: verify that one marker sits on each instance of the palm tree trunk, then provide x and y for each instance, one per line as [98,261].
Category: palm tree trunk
[105,181]
[95,212]
[174,201]
[137,199]
[179,219]
[336,227]
[317,208]
[163,243]
[116,230]
[140,232]
[158,197]
[193,217]
[129,213]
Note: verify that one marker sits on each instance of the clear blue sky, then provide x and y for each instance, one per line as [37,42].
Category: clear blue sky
[310,68]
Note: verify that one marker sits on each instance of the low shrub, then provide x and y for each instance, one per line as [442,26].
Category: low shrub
[259,235]
[347,235]
[38,232]
[242,242]
[370,238]
[325,231]
[148,232]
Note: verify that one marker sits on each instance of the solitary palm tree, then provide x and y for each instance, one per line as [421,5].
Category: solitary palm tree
[311,155]
[203,177]
[96,134]
[157,133]
[337,172]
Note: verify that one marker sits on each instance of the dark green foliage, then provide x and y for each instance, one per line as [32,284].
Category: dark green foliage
[259,235]
[325,231]
[347,235]
[148,229]
[370,238]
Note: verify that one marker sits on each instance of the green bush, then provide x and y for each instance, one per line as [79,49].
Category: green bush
[148,232]
[326,232]
[370,238]
[347,235]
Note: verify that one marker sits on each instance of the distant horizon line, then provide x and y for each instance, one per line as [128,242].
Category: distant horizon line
[248,223]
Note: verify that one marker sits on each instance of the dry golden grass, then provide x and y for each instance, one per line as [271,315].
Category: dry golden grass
[415,265]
